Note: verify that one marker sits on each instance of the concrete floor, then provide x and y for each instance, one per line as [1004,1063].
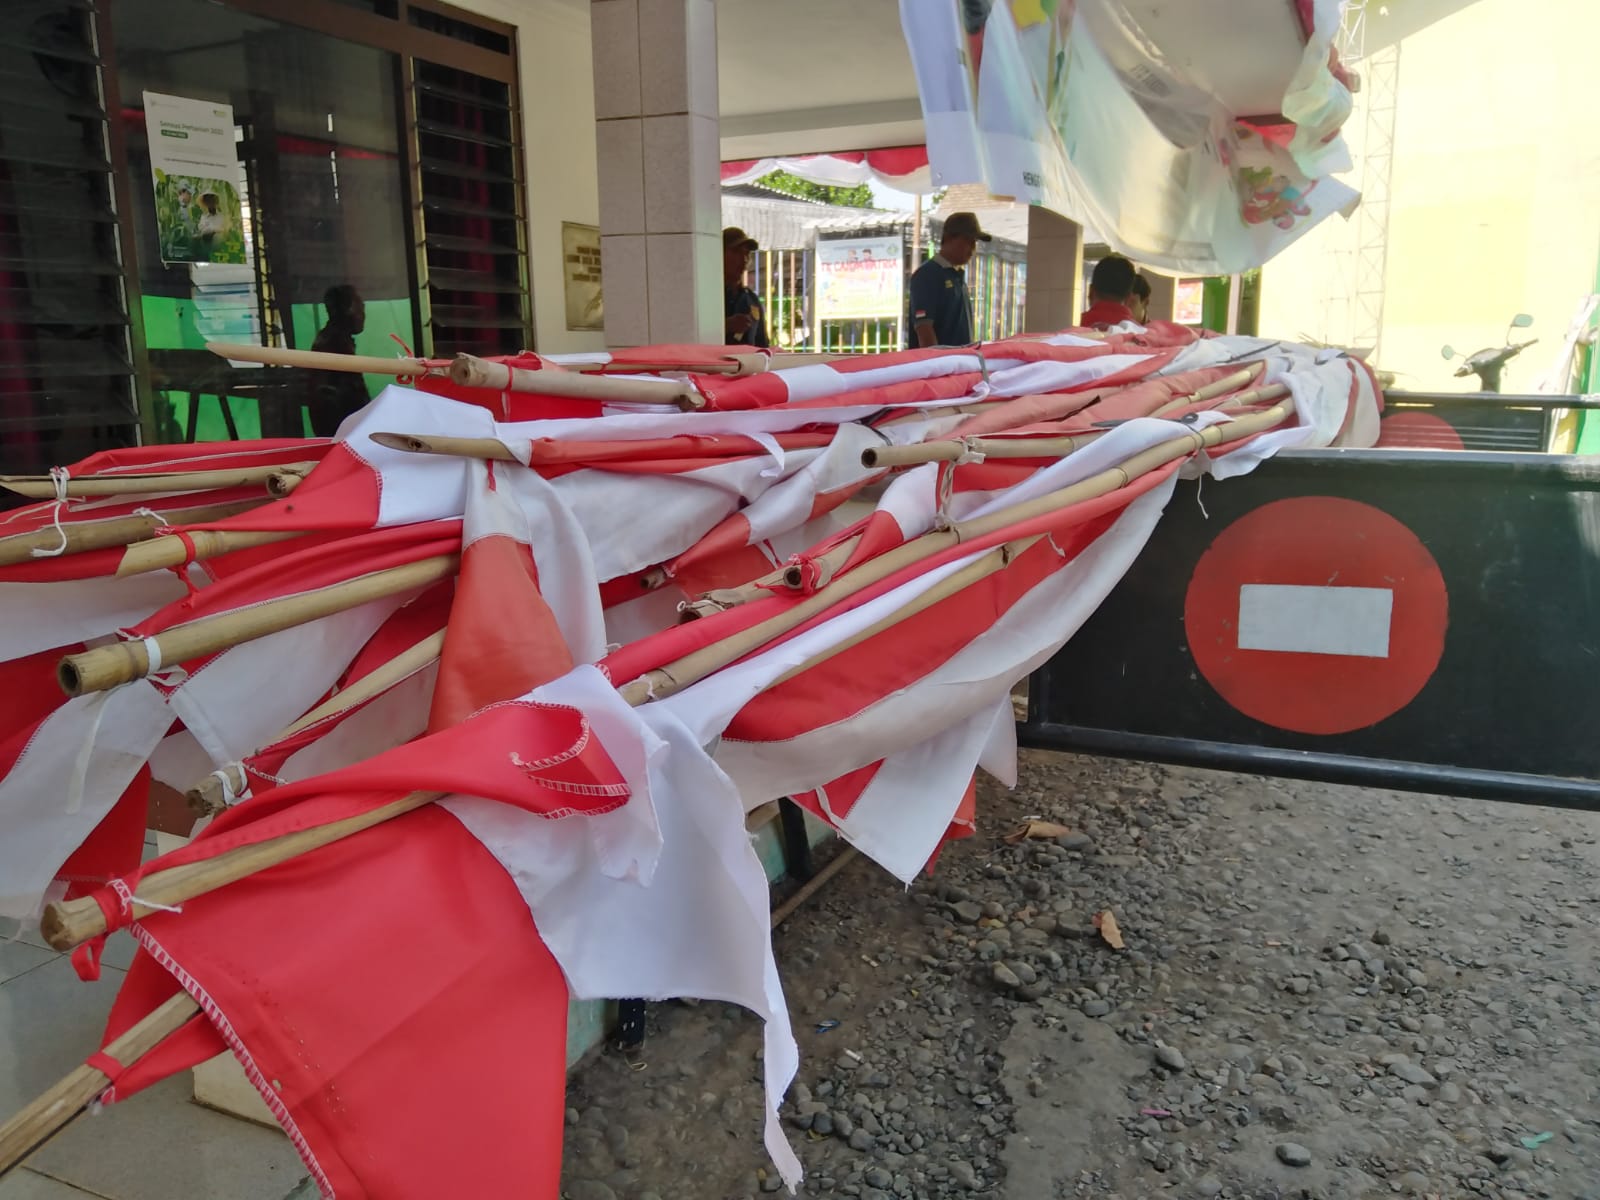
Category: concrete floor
[158,1145]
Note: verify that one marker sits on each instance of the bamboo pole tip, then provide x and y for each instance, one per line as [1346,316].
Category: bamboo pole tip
[281,484]
[464,371]
[206,798]
[869,456]
[56,925]
[69,676]
[792,576]
[399,441]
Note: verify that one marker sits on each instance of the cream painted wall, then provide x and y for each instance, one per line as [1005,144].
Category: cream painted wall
[1495,196]
[557,77]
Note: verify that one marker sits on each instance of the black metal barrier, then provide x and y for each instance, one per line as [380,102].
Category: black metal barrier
[1472,420]
[1421,620]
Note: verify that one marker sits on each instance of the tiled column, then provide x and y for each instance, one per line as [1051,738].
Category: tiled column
[1163,295]
[655,99]
[1055,266]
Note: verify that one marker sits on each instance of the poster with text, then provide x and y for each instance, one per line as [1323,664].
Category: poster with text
[580,265]
[859,278]
[194,161]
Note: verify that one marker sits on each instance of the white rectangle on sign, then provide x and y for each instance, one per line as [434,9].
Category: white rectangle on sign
[1352,621]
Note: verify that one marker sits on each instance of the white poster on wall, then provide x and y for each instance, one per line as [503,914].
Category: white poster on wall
[194,164]
[860,278]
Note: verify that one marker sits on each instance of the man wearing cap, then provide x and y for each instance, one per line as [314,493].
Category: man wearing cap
[941,313]
[741,308]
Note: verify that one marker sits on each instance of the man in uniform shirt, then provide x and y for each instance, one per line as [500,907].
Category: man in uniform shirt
[741,308]
[941,313]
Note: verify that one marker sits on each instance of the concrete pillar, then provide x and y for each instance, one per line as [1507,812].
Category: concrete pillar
[657,152]
[1163,295]
[1055,267]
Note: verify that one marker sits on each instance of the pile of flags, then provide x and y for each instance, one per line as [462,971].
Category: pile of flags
[475,698]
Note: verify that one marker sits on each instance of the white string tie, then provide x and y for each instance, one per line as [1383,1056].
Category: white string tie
[125,894]
[225,778]
[58,479]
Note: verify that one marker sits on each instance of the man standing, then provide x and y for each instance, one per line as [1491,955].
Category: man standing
[941,313]
[1110,289]
[337,394]
[741,308]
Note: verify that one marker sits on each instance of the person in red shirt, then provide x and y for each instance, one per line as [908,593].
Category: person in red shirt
[1110,288]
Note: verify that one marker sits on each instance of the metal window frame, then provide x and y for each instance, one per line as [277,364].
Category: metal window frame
[392,33]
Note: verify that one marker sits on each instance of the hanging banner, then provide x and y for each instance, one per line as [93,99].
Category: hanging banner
[860,278]
[194,163]
[1144,127]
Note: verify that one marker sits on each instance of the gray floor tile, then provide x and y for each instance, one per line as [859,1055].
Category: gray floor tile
[158,1145]
[23,1184]
[49,1021]
[16,958]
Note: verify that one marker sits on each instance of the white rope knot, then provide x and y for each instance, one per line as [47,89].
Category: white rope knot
[160,520]
[225,778]
[128,899]
[969,453]
[58,480]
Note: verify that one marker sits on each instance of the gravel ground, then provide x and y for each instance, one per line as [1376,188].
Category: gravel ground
[1325,992]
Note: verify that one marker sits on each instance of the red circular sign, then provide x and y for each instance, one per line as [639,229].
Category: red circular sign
[1418,431]
[1317,615]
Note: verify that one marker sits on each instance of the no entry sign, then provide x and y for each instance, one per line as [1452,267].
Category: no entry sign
[1318,614]
[1312,596]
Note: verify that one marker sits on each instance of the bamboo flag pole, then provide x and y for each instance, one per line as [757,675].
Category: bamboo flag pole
[69,923]
[39,487]
[954,449]
[458,447]
[159,553]
[47,1115]
[320,360]
[81,536]
[207,795]
[106,667]
[1211,391]
[1036,446]
[467,371]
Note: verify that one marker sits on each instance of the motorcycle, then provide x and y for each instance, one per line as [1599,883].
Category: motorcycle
[1488,364]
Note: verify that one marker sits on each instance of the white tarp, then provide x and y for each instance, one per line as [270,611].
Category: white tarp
[1119,114]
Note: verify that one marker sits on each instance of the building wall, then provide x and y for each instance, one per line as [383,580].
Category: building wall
[1495,197]
[555,69]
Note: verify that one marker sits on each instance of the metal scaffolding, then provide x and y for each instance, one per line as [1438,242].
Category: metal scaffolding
[1380,77]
